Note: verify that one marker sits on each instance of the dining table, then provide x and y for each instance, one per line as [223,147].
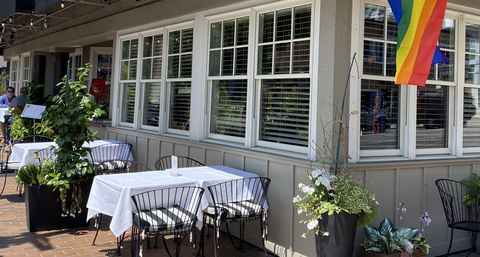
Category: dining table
[24,153]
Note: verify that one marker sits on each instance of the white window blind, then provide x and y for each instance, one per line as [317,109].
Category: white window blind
[128,75]
[151,103]
[432,117]
[472,54]
[26,70]
[228,111]
[180,106]
[152,58]
[471,117]
[128,110]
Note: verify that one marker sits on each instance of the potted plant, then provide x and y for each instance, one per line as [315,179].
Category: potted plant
[472,200]
[70,176]
[388,241]
[334,207]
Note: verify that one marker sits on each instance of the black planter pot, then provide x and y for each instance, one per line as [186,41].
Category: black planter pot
[340,241]
[44,209]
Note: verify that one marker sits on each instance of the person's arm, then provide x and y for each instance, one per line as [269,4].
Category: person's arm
[3,101]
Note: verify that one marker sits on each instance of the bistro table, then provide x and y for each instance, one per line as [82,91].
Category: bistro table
[111,194]
[24,153]
[3,111]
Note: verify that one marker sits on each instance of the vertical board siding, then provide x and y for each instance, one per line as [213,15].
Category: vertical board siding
[403,182]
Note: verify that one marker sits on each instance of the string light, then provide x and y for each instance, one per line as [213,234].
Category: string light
[62,4]
[45,23]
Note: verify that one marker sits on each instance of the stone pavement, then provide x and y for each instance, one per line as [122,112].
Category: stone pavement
[15,240]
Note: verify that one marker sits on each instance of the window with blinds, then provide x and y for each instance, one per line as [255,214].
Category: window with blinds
[432,117]
[128,75]
[472,54]
[152,58]
[284,111]
[14,73]
[179,117]
[471,117]
[26,70]
[228,57]
[446,43]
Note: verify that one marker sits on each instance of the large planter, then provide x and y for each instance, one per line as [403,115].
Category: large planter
[340,241]
[416,253]
[44,209]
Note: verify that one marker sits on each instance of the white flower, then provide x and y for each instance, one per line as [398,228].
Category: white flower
[312,224]
[316,173]
[304,235]
[308,190]
[301,185]
[325,181]
[299,211]
[325,233]
[297,199]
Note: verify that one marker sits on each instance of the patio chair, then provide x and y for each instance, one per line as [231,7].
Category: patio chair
[5,151]
[44,154]
[239,201]
[166,212]
[165,162]
[108,152]
[114,167]
[458,214]
[32,139]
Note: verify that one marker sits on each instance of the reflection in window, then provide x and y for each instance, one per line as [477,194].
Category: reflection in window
[472,54]
[228,111]
[432,117]
[379,120]
[471,117]
[179,106]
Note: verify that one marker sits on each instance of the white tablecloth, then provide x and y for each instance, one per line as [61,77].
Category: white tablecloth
[24,153]
[3,111]
[111,194]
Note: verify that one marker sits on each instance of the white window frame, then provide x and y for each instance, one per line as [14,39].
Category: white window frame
[221,18]
[169,81]
[25,79]
[18,73]
[72,57]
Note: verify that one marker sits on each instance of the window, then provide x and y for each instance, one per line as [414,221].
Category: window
[180,47]
[228,61]
[128,76]
[471,91]
[284,50]
[75,60]
[151,79]
[14,78]
[25,70]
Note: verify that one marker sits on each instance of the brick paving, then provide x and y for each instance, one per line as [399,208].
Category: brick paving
[15,240]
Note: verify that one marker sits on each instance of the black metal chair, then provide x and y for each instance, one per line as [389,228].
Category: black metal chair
[32,139]
[5,151]
[166,212]
[239,201]
[458,214]
[165,162]
[108,152]
[44,154]
[114,167]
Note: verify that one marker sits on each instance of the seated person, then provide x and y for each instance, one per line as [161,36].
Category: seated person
[18,104]
[4,101]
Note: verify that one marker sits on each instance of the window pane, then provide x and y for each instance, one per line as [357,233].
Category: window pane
[373,58]
[125,49]
[284,111]
[179,106]
[151,106]
[241,60]
[284,25]
[432,117]
[134,49]
[472,39]
[447,34]
[186,68]
[229,98]
[133,70]
[124,70]
[242,31]
[380,115]
[187,40]
[446,71]
[158,45]
[302,21]
[391,59]
[147,69]
[157,68]
[301,57]
[265,59]
[265,32]
[128,110]
[282,58]
[214,63]
[374,21]
[228,33]
[147,46]
[391,26]
[471,117]
[215,35]
[227,62]
[472,69]
[174,42]
[173,66]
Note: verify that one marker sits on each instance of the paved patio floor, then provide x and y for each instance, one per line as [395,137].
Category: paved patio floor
[15,240]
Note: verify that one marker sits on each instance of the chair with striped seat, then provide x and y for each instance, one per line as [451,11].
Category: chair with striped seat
[108,152]
[239,201]
[166,212]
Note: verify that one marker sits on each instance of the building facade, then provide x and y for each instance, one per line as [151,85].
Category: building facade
[253,84]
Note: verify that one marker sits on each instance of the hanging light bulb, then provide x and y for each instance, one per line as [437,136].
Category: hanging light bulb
[31,22]
[3,24]
[10,19]
[62,4]
[45,23]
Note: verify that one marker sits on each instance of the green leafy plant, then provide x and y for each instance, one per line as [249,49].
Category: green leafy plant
[386,239]
[69,114]
[32,174]
[472,198]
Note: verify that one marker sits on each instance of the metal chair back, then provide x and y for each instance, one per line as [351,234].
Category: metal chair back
[33,139]
[452,194]
[165,162]
[5,151]
[119,166]
[45,154]
[108,152]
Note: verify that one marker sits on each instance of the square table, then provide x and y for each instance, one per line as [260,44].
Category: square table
[111,194]
[24,153]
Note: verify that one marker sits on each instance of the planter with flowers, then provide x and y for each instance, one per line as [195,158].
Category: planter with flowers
[334,206]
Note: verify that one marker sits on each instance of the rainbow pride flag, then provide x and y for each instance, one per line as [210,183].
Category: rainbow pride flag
[419,24]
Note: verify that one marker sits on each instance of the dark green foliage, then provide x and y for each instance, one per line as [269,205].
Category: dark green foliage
[472,198]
